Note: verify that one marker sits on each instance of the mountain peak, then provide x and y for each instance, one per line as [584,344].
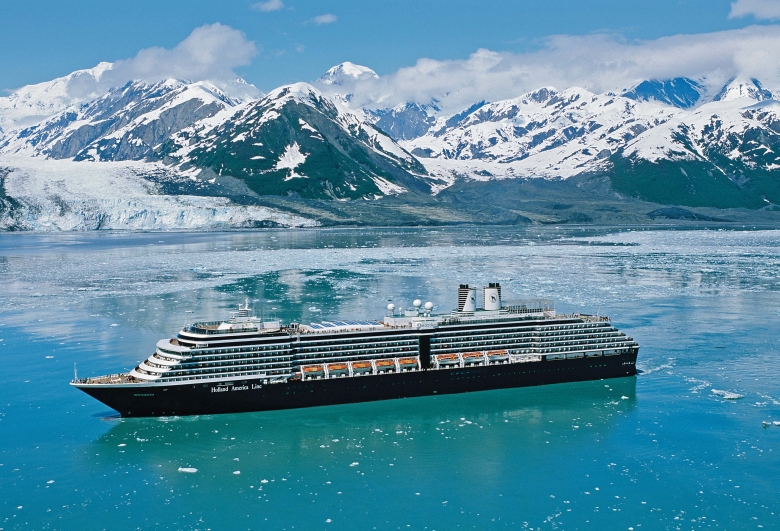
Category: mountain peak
[301,92]
[680,92]
[33,103]
[738,88]
[346,71]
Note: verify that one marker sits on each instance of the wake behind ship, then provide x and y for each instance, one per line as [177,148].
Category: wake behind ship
[250,364]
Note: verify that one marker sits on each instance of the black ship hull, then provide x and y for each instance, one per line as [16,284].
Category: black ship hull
[251,395]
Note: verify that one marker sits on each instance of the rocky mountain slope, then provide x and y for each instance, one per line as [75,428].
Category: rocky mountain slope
[297,142]
[661,141]
[126,123]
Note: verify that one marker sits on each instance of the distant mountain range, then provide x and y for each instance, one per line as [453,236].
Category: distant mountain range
[673,142]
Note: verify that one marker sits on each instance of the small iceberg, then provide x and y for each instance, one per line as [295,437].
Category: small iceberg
[727,395]
[187,469]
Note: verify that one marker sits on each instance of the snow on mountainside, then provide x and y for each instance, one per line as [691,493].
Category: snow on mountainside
[722,152]
[679,92]
[31,104]
[124,124]
[726,154]
[297,142]
[743,88]
[544,133]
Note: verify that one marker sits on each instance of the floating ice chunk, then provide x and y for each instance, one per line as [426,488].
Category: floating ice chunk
[624,397]
[776,423]
[50,482]
[727,395]
[237,472]
[263,481]
[121,445]
[49,357]
[354,464]
[114,324]
[187,469]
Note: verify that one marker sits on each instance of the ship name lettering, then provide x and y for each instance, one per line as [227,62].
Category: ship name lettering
[240,388]
[255,386]
[218,389]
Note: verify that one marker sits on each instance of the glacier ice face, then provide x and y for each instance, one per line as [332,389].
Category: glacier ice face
[51,195]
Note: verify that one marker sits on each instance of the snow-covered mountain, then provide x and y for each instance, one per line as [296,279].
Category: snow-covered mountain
[678,141]
[544,133]
[33,103]
[729,142]
[126,123]
[346,72]
[679,92]
[295,141]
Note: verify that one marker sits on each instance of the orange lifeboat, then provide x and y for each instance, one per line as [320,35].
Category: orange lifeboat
[383,365]
[337,367]
[472,357]
[361,365]
[498,355]
[448,359]
[309,369]
[407,361]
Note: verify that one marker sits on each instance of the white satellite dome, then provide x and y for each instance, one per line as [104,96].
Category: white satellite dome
[390,307]
[417,303]
[428,306]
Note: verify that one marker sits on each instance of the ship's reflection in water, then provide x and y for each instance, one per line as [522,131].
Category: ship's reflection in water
[361,462]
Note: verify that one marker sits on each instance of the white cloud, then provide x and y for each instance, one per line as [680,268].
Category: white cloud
[324,19]
[270,5]
[210,52]
[598,63]
[760,9]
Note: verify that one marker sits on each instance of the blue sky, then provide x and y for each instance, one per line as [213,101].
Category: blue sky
[42,40]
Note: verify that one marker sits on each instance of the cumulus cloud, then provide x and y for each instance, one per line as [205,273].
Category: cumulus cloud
[599,63]
[210,52]
[324,19]
[271,5]
[760,9]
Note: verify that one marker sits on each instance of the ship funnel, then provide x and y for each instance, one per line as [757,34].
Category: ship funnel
[243,311]
[467,298]
[491,296]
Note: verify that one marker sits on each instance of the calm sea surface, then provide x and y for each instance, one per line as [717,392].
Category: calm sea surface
[690,443]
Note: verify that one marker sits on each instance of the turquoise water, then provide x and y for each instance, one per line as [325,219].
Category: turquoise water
[688,444]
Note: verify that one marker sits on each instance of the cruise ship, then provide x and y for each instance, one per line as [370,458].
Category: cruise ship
[250,364]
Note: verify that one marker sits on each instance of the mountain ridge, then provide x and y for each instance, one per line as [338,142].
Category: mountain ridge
[667,142]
